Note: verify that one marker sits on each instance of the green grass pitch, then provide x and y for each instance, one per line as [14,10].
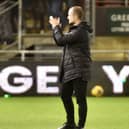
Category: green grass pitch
[48,113]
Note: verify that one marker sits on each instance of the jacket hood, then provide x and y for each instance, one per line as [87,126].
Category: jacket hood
[86,26]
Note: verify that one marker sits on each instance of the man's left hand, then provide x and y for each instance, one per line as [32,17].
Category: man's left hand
[54,21]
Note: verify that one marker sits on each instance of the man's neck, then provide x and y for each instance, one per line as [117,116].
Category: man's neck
[77,22]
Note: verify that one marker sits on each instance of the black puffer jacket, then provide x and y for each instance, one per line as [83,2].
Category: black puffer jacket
[76,58]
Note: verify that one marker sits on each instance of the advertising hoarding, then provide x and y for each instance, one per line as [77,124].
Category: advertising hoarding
[112,21]
[37,78]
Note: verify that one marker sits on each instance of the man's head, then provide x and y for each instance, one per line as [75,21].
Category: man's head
[75,14]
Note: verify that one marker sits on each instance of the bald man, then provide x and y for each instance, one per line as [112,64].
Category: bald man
[75,64]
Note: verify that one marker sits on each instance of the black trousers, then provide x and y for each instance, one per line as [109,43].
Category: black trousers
[79,87]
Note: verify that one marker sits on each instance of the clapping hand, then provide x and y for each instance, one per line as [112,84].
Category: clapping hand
[54,21]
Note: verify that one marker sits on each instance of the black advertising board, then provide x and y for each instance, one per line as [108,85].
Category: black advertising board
[38,78]
[112,21]
[118,21]
[113,76]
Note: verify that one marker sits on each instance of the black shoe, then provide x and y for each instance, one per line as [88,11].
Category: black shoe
[67,126]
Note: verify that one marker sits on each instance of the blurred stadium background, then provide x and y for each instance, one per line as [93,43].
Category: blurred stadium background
[29,63]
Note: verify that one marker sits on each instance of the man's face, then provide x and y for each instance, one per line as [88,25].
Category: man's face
[71,16]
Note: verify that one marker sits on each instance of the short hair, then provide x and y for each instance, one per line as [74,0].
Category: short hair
[78,11]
